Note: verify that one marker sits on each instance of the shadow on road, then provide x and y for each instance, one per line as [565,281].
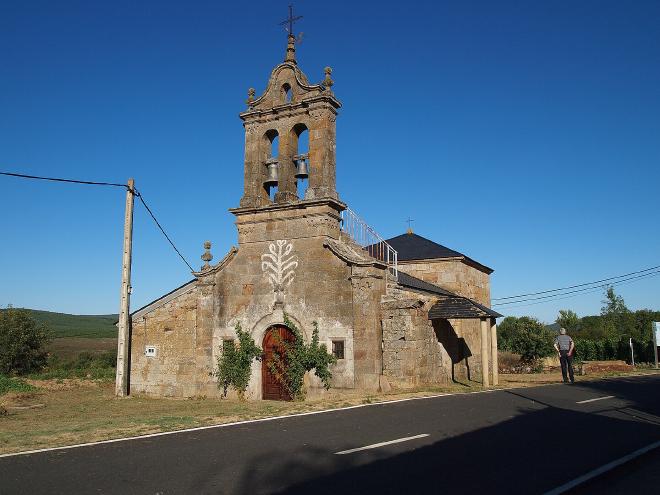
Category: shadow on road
[539,449]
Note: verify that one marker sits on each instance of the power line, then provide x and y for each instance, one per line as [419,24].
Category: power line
[575,286]
[558,298]
[598,287]
[139,195]
[113,184]
[58,179]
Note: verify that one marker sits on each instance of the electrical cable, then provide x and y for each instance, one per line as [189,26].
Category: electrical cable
[575,286]
[598,287]
[139,195]
[114,184]
[57,179]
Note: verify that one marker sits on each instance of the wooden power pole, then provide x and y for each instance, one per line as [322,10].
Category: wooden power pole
[123,337]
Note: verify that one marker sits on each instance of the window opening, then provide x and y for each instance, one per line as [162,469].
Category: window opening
[338,349]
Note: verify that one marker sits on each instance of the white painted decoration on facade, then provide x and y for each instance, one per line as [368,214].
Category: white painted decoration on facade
[279,264]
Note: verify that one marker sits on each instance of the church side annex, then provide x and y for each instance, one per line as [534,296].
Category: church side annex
[397,313]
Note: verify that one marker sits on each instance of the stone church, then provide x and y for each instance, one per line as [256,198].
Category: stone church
[397,313]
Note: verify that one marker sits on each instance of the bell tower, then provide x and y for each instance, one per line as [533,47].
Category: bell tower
[290,109]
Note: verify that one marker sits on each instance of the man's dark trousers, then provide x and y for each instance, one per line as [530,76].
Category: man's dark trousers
[566,361]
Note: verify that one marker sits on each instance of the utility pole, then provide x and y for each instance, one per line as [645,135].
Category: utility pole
[656,341]
[123,337]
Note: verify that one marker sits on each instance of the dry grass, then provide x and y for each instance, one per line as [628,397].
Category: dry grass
[71,347]
[65,412]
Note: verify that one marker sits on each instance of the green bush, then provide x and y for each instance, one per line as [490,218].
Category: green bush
[85,365]
[612,349]
[11,384]
[299,358]
[22,342]
[235,363]
[525,336]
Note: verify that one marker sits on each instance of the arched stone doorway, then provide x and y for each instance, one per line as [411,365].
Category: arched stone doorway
[271,387]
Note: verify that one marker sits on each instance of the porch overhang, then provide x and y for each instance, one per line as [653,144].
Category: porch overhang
[460,308]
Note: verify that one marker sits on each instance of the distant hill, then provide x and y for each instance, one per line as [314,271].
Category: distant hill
[65,325]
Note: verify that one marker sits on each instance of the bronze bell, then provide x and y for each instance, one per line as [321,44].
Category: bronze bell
[273,176]
[301,167]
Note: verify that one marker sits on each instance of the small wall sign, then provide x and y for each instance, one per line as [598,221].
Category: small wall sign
[150,351]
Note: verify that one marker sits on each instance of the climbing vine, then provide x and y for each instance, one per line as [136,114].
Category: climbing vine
[297,358]
[235,363]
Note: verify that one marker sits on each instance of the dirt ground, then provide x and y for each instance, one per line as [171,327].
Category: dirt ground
[66,412]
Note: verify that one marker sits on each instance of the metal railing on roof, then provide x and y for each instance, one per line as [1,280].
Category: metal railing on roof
[368,239]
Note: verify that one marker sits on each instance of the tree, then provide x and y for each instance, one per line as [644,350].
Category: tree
[613,304]
[569,320]
[526,336]
[22,341]
[618,321]
[235,363]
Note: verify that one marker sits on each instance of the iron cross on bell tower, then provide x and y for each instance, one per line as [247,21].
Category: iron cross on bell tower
[290,21]
[291,44]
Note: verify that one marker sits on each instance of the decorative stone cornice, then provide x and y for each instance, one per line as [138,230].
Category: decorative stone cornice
[304,203]
[347,253]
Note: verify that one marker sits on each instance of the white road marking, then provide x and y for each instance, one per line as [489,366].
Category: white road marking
[602,469]
[286,416]
[594,400]
[381,444]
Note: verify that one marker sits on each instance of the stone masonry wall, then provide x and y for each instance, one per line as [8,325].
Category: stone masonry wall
[418,351]
[452,275]
[171,329]
[411,353]
[320,291]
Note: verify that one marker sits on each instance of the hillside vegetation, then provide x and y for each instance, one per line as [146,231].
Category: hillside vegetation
[66,325]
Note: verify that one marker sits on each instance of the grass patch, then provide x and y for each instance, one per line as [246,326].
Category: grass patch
[10,384]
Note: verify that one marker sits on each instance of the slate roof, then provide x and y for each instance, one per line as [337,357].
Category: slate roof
[416,283]
[415,247]
[460,307]
[450,305]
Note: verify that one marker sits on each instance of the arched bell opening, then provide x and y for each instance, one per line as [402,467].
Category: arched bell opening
[273,363]
[300,142]
[286,93]
[271,143]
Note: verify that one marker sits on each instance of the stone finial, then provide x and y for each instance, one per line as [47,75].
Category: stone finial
[251,93]
[328,82]
[207,256]
[291,49]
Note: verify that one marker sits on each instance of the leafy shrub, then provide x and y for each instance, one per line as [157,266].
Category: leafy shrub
[11,384]
[290,367]
[85,365]
[611,349]
[525,336]
[235,363]
[22,342]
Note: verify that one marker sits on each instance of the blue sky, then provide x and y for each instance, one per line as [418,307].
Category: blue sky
[524,134]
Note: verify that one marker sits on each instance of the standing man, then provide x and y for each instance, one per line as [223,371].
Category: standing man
[565,347]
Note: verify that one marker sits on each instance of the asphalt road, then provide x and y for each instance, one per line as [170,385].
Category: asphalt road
[518,441]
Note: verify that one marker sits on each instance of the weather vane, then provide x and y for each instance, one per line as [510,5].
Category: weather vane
[290,21]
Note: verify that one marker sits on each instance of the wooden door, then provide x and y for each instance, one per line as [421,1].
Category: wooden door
[271,387]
